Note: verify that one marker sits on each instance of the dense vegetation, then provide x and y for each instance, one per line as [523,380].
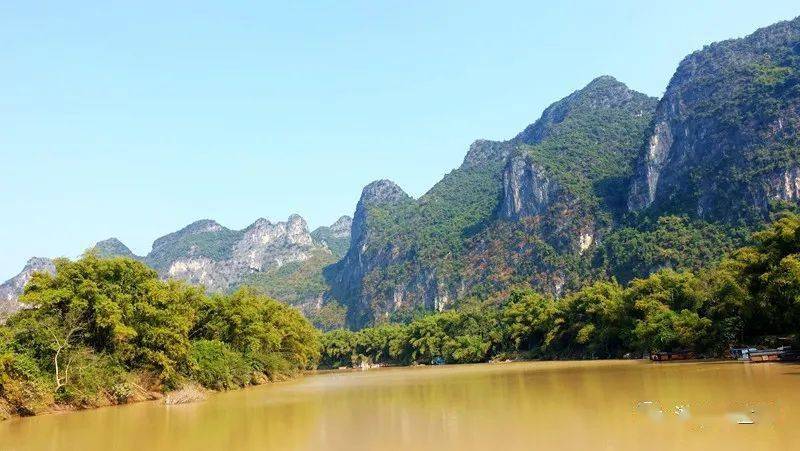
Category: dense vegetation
[591,150]
[294,282]
[435,225]
[107,331]
[203,238]
[674,242]
[752,295]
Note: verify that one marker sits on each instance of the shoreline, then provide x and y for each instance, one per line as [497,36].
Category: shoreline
[161,397]
[154,396]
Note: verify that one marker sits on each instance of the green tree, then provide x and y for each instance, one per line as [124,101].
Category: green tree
[527,318]
[276,338]
[592,322]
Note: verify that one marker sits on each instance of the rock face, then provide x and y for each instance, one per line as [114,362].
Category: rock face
[11,289]
[209,254]
[527,189]
[346,276]
[264,244]
[724,139]
[336,236]
[571,164]
[201,239]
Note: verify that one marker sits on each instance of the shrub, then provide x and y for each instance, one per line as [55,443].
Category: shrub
[26,390]
[92,380]
[338,347]
[213,364]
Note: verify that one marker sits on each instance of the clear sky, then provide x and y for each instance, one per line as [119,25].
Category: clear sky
[133,121]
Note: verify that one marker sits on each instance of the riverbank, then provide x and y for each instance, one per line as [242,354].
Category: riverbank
[109,331]
[185,394]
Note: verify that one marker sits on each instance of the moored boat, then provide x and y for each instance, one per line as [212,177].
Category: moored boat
[780,354]
[665,356]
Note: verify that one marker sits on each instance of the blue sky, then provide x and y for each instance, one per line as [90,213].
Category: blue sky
[133,121]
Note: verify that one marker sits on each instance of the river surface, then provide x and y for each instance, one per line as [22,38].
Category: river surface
[599,405]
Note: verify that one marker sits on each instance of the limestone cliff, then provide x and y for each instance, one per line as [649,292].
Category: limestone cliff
[346,277]
[209,254]
[336,236]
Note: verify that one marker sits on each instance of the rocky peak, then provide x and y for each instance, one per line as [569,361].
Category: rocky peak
[341,228]
[606,91]
[602,93]
[383,192]
[483,151]
[112,247]
[377,193]
[297,225]
[265,233]
[202,225]
[11,289]
[195,228]
[219,258]
[336,236]
[38,264]
[260,222]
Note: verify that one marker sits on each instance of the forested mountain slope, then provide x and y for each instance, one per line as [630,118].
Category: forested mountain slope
[559,181]
[607,183]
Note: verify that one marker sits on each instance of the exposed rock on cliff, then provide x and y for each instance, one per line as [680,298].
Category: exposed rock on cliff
[528,191]
[336,236]
[571,166]
[209,254]
[346,276]
[201,239]
[264,244]
[11,289]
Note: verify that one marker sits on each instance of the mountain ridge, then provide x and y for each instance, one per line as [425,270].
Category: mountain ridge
[206,253]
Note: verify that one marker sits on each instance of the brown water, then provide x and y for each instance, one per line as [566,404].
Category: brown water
[611,405]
